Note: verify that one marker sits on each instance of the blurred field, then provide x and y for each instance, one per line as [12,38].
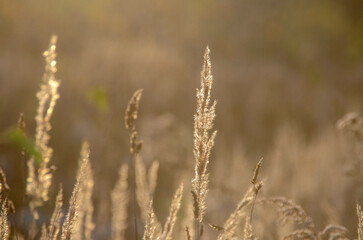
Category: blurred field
[285,72]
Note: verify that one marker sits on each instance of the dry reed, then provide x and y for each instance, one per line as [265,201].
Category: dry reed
[203,143]
[120,201]
[54,228]
[39,173]
[146,181]
[4,224]
[150,225]
[228,231]
[174,208]
[360,222]
[138,183]
[78,223]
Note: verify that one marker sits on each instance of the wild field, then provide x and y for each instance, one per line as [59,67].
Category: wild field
[112,141]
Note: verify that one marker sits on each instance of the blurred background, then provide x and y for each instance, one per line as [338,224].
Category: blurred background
[285,72]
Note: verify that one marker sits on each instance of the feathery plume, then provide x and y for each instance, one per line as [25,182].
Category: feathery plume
[186,221]
[150,225]
[4,187]
[333,232]
[228,231]
[120,201]
[132,110]
[174,208]
[203,142]
[54,228]
[352,125]
[301,234]
[44,235]
[39,173]
[88,188]
[4,224]
[290,212]
[140,191]
[247,231]
[360,222]
[255,174]
[4,193]
[256,187]
[144,191]
[78,223]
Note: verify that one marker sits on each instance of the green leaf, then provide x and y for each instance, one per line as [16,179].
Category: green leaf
[98,97]
[17,138]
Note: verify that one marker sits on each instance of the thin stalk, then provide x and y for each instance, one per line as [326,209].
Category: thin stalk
[197,229]
[133,194]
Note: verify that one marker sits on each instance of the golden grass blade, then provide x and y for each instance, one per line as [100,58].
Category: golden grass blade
[150,225]
[235,219]
[143,193]
[44,235]
[4,224]
[4,187]
[78,223]
[360,222]
[120,201]
[256,186]
[174,208]
[40,175]
[88,188]
[55,221]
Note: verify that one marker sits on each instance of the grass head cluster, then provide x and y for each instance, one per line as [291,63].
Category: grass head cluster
[133,197]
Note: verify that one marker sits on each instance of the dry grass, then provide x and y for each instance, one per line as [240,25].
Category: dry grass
[120,202]
[203,143]
[78,223]
[54,228]
[133,196]
[360,222]
[39,173]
